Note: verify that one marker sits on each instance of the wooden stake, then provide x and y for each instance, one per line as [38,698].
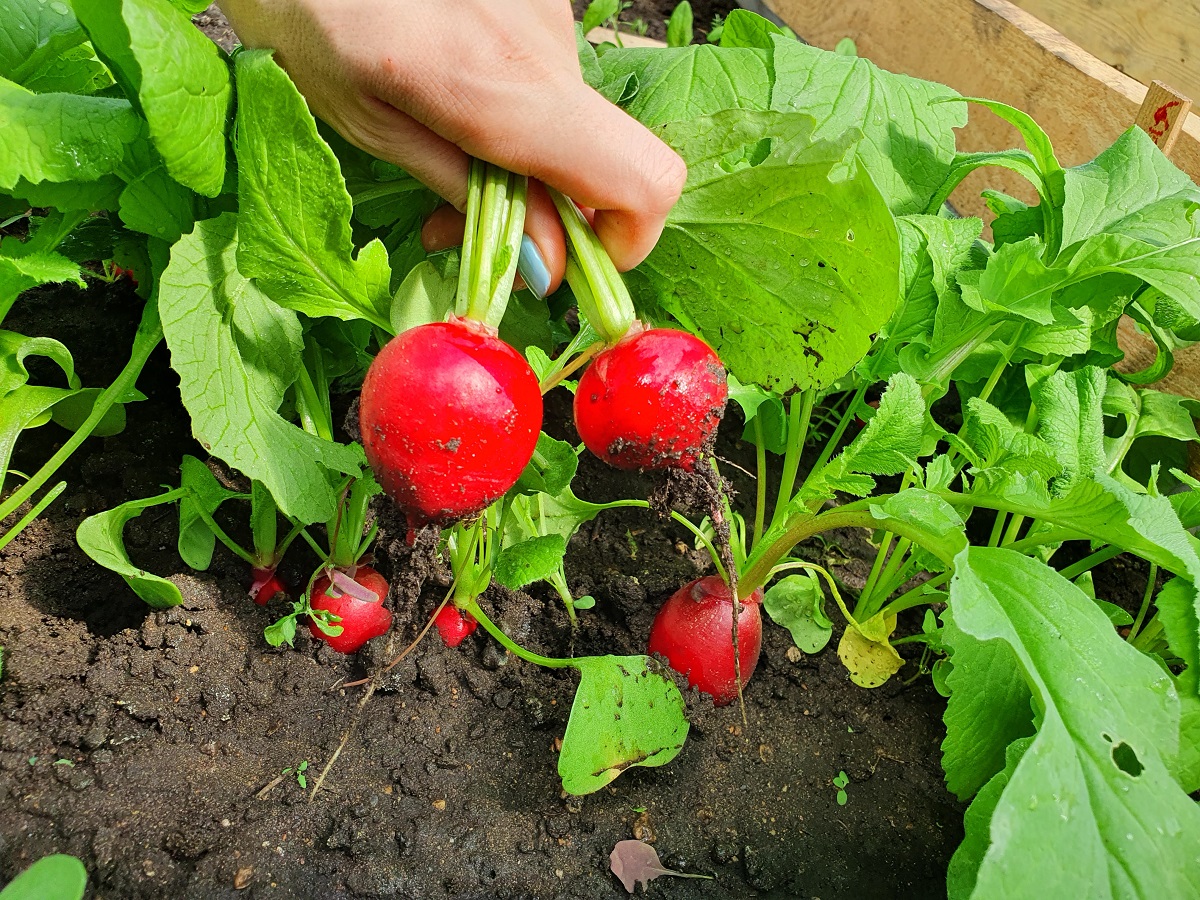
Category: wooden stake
[1162,115]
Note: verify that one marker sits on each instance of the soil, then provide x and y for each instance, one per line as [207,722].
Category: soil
[151,744]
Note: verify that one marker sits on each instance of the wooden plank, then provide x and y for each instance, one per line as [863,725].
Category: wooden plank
[994,49]
[1145,39]
[1162,115]
[600,35]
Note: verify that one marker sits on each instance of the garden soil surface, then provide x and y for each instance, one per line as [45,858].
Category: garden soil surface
[151,744]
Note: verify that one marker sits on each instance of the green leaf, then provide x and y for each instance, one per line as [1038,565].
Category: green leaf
[891,441]
[626,713]
[211,312]
[1165,415]
[1071,423]
[943,527]
[202,493]
[550,469]
[526,323]
[57,877]
[743,28]
[294,208]
[32,35]
[18,274]
[1090,809]
[964,864]
[153,202]
[908,141]
[679,26]
[1124,180]
[796,603]
[687,82]
[74,409]
[598,12]
[426,295]
[532,560]
[988,709]
[66,138]
[787,265]
[178,78]
[100,537]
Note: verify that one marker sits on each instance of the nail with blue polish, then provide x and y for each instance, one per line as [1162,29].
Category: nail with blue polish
[533,268]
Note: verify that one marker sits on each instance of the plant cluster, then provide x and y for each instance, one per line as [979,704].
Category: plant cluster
[958,393]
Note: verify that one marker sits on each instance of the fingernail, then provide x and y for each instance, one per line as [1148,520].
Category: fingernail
[533,268]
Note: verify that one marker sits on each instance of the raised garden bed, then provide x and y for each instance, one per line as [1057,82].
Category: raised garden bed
[176,752]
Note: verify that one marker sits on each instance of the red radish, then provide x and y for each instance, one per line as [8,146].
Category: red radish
[694,631]
[652,401]
[266,585]
[349,597]
[450,415]
[454,625]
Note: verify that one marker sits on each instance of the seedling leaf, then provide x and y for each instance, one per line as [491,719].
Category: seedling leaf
[634,862]
[532,560]
[57,877]
[867,654]
[797,603]
[100,537]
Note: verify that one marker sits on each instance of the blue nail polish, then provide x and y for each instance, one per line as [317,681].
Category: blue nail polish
[533,268]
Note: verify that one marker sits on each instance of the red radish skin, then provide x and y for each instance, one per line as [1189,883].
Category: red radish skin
[652,401]
[454,625]
[361,620]
[449,415]
[265,586]
[693,631]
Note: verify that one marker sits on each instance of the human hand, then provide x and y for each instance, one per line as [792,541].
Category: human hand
[426,85]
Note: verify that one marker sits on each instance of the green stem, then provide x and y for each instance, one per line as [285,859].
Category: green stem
[1014,528]
[852,515]
[225,539]
[558,581]
[864,596]
[760,500]
[914,596]
[997,529]
[472,606]
[496,200]
[1074,570]
[832,444]
[799,417]
[895,563]
[149,333]
[1141,616]
[49,497]
[599,289]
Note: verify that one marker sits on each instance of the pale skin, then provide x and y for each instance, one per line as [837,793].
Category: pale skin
[426,84]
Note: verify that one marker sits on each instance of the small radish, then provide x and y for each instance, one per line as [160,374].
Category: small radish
[358,602]
[652,401]
[265,586]
[454,625]
[694,632]
[450,416]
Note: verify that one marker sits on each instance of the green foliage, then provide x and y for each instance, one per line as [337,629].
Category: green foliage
[797,604]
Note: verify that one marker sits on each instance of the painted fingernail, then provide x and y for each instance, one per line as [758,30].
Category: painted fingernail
[533,268]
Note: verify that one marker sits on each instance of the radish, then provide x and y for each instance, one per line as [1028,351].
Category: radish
[450,416]
[266,585]
[357,601]
[652,401]
[694,632]
[454,625]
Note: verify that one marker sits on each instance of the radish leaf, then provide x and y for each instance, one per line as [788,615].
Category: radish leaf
[294,215]
[176,76]
[1090,807]
[100,537]
[212,312]
[626,713]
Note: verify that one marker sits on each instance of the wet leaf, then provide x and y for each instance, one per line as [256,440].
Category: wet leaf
[866,653]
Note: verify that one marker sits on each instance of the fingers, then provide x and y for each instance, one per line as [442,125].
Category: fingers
[541,265]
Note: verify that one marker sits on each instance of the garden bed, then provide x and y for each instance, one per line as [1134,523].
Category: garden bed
[139,741]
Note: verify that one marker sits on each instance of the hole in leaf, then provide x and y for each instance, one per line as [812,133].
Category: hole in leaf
[1126,759]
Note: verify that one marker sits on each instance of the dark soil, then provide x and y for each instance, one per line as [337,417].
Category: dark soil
[140,741]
